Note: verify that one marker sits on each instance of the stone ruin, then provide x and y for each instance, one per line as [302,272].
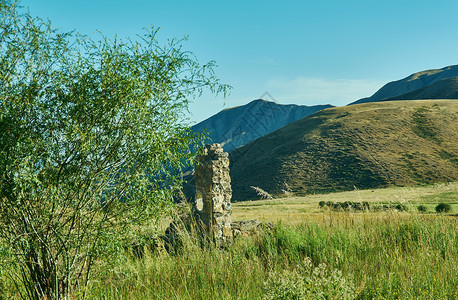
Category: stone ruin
[212,205]
[213,193]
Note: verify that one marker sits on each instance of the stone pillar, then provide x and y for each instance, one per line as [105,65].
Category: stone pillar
[214,192]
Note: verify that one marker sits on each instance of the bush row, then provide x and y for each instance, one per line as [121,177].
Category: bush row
[347,205]
[387,207]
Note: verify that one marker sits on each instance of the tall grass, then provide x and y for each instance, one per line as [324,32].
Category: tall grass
[190,273]
[389,257]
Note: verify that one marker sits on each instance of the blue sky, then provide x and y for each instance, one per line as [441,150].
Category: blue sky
[301,52]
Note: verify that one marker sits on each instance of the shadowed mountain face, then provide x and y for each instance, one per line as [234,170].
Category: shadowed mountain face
[443,89]
[237,126]
[410,88]
[360,146]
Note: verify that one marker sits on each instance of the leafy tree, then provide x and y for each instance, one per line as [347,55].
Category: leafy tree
[91,135]
[422,208]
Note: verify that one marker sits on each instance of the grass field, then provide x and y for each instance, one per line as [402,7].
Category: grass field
[310,253]
[296,210]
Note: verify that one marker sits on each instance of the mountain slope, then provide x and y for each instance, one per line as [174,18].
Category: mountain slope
[411,83]
[237,126]
[359,146]
[443,89]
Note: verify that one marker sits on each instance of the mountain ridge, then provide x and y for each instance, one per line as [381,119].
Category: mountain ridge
[239,125]
[443,89]
[410,84]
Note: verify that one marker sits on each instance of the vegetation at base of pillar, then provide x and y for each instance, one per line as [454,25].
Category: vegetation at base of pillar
[91,135]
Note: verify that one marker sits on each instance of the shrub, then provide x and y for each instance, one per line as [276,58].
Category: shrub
[356,206]
[93,137]
[308,282]
[401,207]
[422,208]
[322,204]
[337,206]
[388,207]
[443,208]
[348,205]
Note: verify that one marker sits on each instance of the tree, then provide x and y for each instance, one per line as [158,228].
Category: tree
[91,135]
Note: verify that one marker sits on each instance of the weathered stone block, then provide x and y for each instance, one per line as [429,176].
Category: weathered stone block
[213,189]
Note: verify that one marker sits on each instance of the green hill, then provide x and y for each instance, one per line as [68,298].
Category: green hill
[359,146]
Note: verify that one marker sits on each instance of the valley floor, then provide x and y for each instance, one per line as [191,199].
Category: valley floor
[296,210]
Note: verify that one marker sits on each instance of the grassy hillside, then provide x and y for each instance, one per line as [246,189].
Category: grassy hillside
[360,146]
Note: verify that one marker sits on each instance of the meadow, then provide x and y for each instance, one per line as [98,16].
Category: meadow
[309,253]
[292,210]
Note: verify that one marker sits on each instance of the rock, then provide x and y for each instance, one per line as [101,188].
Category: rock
[213,189]
[210,215]
[248,228]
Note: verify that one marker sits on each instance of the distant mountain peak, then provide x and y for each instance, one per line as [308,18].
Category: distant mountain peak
[262,101]
[239,125]
[412,83]
[253,102]
[444,89]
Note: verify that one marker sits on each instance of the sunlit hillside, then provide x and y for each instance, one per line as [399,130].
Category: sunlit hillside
[354,147]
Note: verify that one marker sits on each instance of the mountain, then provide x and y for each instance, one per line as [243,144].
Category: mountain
[443,89]
[360,146]
[237,126]
[414,83]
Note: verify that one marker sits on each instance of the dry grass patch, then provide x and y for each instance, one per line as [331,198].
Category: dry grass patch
[294,210]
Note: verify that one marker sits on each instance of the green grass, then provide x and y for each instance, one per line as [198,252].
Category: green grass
[422,126]
[442,197]
[385,258]
[294,210]
[388,257]
[364,255]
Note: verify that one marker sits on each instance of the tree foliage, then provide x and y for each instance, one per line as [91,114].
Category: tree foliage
[91,134]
